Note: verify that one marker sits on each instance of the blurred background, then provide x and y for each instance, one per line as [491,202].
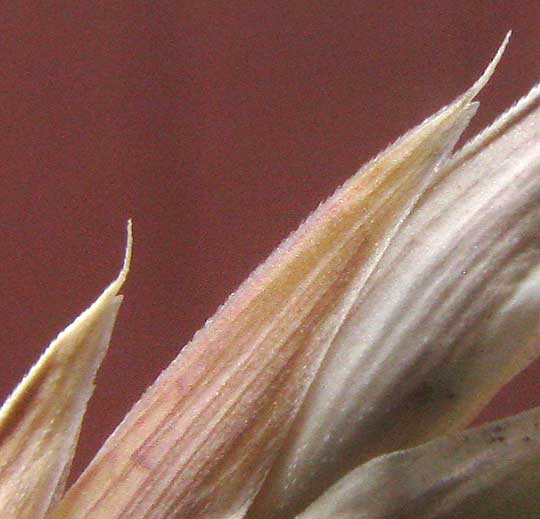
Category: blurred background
[217,126]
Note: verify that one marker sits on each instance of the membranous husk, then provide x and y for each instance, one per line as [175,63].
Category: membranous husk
[485,473]
[41,420]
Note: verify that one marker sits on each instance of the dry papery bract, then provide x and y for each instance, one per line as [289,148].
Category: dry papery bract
[335,382]
[41,420]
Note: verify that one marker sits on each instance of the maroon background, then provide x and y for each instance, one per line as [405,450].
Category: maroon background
[217,126]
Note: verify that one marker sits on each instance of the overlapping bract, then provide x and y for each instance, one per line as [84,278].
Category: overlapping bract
[392,315]
[41,420]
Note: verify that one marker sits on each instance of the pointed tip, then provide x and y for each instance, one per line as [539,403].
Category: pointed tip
[128,253]
[116,285]
[490,69]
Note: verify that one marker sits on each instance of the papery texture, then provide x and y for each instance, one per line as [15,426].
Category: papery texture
[202,439]
[40,422]
[447,318]
[486,473]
